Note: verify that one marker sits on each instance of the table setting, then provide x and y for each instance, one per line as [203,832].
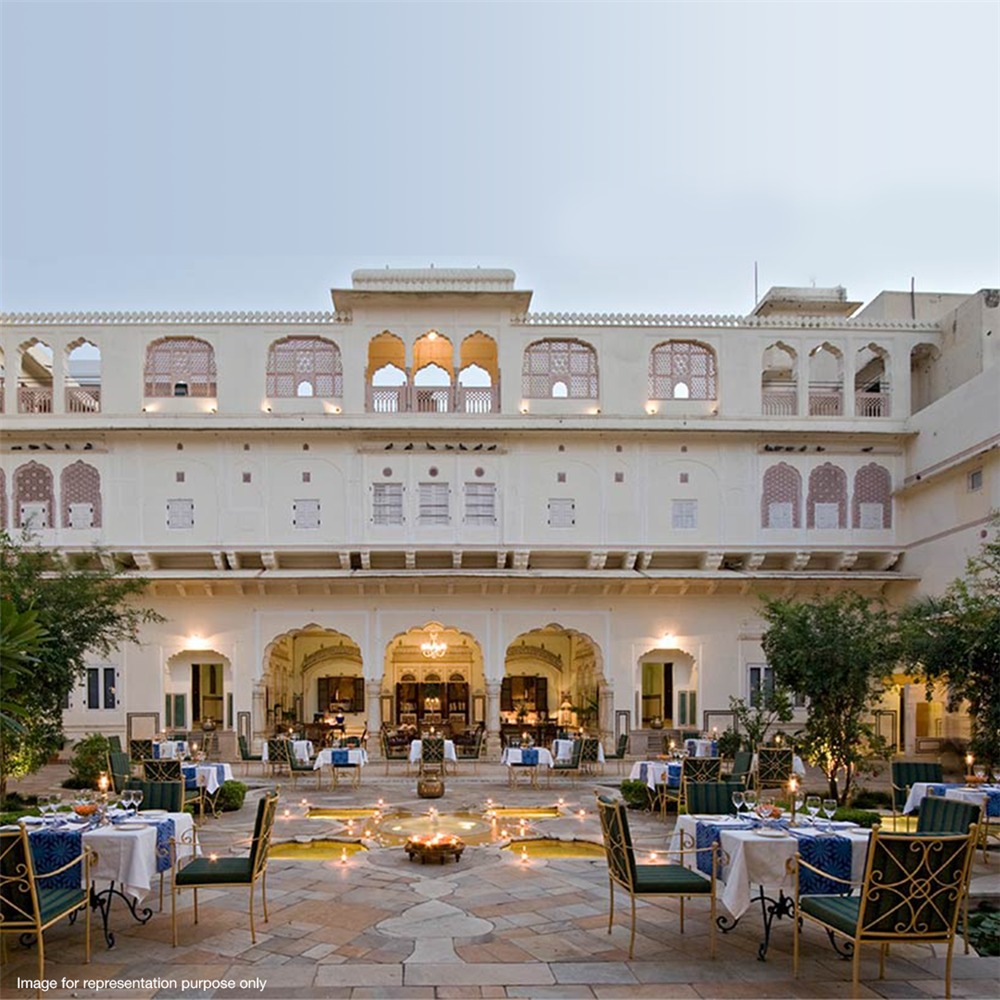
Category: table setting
[303,750]
[562,750]
[757,845]
[211,776]
[978,794]
[657,772]
[341,757]
[170,749]
[416,750]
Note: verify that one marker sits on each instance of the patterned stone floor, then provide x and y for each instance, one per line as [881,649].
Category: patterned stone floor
[490,926]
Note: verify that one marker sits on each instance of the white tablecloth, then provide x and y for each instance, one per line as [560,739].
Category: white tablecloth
[755,859]
[415,748]
[303,750]
[357,757]
[918,792]
[563,750]
[656,771]
[702,748]
[171,749]
[797,766]
[512,755]
[207,775]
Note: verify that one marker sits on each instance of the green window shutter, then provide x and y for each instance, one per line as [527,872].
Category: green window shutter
[506,696]
[322,694]
[692,707]
[180,711]
[682,704]
[358,702]
[542,694]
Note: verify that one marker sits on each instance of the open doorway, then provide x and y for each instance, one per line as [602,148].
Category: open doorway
[657,695]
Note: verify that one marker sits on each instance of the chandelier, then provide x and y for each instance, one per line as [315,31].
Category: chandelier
[434,649]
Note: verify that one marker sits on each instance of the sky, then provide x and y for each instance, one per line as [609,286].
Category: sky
[620,157]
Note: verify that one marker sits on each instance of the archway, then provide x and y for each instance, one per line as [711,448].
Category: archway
[198,691]
[311,676]
[667,689]
[433,679]
[554,681]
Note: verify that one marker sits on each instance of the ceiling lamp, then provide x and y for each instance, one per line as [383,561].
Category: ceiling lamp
[434,649]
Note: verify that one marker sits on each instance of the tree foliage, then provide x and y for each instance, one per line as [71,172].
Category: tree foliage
[955,639]
[754,722]
[837,651]
[85,613]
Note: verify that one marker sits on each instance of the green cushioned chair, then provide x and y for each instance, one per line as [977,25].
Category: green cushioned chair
[170,772]
[590,760]
[711,798]
[672,880]
[775,766]
[140,750]
[431,754]
[26,905]
[742,766]
[394,750]
[694,769]
[120,769]
[167,795]
[115,744]
[471,750]
[277,757]
[571,766]
[204,873]
[245,756]
[620,750]
[912,892]
[297,768]
[906,774]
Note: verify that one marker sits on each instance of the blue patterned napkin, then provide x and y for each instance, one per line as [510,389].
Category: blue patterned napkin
[340,757]
[529,756]
[707,834]
[190,776]
[164,833]
[156,751]
[51,849]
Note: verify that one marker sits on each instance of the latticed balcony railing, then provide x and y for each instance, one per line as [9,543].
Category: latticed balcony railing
[83,399]
[34,399]
[825,400]
[779,399]
[871,404]
[432,399]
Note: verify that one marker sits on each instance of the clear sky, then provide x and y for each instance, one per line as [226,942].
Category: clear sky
[618,156]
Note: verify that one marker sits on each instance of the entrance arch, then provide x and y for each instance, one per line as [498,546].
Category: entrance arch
[667,686]
[197,687]
[307,673]
[433,678]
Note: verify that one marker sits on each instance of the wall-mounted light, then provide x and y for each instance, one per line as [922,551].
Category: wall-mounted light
[668,640]
[196,642]
[524,407]
[337,409]
[652,409]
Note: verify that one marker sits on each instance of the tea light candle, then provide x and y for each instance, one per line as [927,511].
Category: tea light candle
[102,782]
[968,760]
[777,739]
[343,856]
[213,857]
[793,787]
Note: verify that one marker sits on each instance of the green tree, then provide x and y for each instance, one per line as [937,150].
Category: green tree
[21,639]
[837,652]
[85,612]
[755,721]
[955,639]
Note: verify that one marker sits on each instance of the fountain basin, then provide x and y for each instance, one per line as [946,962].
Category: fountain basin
[557,849]
[315,850]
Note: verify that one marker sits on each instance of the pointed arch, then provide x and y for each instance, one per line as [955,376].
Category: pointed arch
[80,492]
[434,348]
[826,503]
[779,381]
[826,381]
[781,497]
[35,377]
[683,369]
[304,366]
[83,376]
[34,496]
[566,364]
[872,502]
[180,366]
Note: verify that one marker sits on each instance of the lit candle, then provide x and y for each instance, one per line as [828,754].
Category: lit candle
[968,761]
[583,813]
[793,786]
[102,782]
[343,856]
[777,739]
[652,857]
[213,857]
[288,812]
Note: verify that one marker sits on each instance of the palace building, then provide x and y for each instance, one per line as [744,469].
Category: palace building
[432,506]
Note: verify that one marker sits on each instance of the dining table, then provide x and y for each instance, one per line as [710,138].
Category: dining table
[129,853]
[657,772]
[417,747]
[303,750]
[702,748]
[754,862]
[169,749]
[210,776]
[562,750]
[980,795]
[353,757]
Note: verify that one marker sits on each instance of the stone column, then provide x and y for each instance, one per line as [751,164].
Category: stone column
[258,718]
[493,742]
[373,692]
[606,715]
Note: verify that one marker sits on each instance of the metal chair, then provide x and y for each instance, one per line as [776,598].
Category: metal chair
[590,755]
[620,750]
[394,751]
[227,872]
[115,744]
[27,906]
[912,892]
[140,750]
[713,798]
[171,772]
[120,770]
[742,767]
[432,755]
[693,769]
[571,766]
[905,774]
[775,766]
[641,881]
[277,757]
[245,756]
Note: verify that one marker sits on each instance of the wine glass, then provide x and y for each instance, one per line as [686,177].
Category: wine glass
[813,805]
[829,809]
[44,805]
[750,798]
[738,801]
[137,798]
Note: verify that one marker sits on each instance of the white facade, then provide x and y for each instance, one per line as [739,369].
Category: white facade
[797,449]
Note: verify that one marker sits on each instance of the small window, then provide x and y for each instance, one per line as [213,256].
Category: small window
[81,515]
[560,390]
[180,514]
[178,477]
[975,480]
[434,503]
[827,515]
[684,478]
[305,513]
[480,503]
[387,503]
[560,477]
[247,477]
[307,477]
[619,477]
[779,514]
[870,515]
[684,514]
[562,512]
[760,680]
[101,691]
[34,514]
[180,388]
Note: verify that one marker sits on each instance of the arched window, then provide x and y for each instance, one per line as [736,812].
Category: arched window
[682,369]
[570,365]
[34,497]
[871,382]
[781,497]
[872,504]
[80,486]
[826,504]
[83,377]
[826,381]
[3,501]
[303,367]
[180,366]
[779,382]
[35,380]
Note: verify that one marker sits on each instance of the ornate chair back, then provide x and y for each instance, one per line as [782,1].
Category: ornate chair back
[267,809]
[277,752]
[617,841]
[774,766]
[701,769]
[118,765]
[712,797]
[589,750]
[906,773]
[940,815]
[18,892]
[914,884]
[162,770]
[140,749]
[167,795]
[432,750]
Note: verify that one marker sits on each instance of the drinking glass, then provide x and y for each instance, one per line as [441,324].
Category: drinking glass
[44,805]
[137,797]
[128,799]
[813,806]
[979,771]
[799,797]
[738,801]
[829,808]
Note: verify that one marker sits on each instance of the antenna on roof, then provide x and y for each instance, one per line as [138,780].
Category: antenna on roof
[913,298]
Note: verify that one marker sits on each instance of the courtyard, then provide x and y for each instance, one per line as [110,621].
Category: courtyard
[499,923]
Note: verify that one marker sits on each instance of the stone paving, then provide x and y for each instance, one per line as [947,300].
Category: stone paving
[491,926]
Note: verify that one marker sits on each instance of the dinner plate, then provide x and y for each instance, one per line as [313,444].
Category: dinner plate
[131,826]
[154,812]
[772,833]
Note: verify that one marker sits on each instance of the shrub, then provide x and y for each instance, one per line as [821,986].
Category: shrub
[13,816]
[90,758]
[730,742]
[872,798]
[860,816]
[636,794]
[984,930]
[231,796]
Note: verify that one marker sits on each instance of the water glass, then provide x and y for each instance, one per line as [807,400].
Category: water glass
[829,808]
[750,797]
[128,799]
[137,797]
[813,806]
[738,801]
